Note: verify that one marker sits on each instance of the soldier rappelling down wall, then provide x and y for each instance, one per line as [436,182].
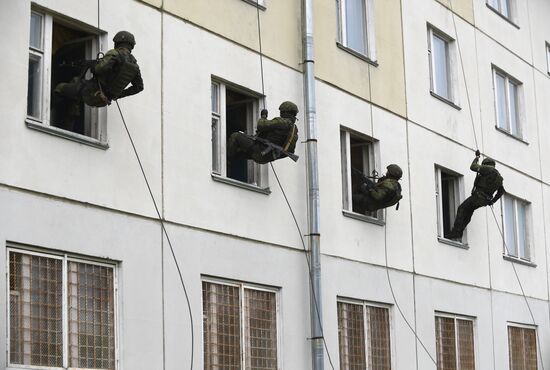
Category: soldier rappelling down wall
[487,182]
[274,139]
[111,76]
[383,193]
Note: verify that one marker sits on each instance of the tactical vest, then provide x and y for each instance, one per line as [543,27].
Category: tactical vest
[124,72]
[488,183]
[396,197]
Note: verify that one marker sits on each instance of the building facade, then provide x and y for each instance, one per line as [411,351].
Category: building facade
[89,276]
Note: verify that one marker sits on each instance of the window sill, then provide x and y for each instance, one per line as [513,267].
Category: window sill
[255,4]
[453,243]
[82,139]
[502,16]
[445,100]
[357,54]
[364,218]
[518,260]
[240,184]
[511,135]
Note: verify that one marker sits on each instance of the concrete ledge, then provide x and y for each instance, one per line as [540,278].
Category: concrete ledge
[55,131]
[240,184]
[364,218]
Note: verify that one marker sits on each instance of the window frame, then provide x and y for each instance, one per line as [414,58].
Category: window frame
[529,250]
[524,327]
[365,304]
[260,4]
[369,39]
[251,286]
[456,317]
[511,7]
[346,171]
[218,169]
[459,198]
[450,63]
[547,48]
[65,258]
[508,81]
[96,118]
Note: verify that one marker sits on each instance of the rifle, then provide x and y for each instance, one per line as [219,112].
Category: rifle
[276,149]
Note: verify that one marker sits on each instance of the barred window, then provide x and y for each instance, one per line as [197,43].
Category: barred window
[455,343]
[364,336]
[522,348]
[40,310]
[240,327]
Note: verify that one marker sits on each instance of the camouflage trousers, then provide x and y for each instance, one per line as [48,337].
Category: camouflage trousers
[242,146]
[465,212]
[79,89]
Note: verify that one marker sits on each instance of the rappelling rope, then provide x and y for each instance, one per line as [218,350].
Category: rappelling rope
[371,103]
[492,210]
[261,54]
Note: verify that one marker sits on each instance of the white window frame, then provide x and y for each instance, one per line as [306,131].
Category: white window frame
[366,304]
[508,80]
[528,253]
[242,286]
[370,162]
[257,173]
[369,38]
[450,62]
[96,118]
[258,3]
[474,334]
[499,8]
[547,47]
[523,326]
[458,195]
[65,258]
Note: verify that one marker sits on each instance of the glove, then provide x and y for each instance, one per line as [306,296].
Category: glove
[478,153]
[263,113]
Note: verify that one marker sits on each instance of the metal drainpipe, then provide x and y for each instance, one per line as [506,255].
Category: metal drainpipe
[316,311]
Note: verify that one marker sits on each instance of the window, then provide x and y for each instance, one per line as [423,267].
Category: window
[447,192]
[503,7]
[61,312]
[357,159]
[233,110]
[516,227]
[454,343]
[522,348]
[55,49]
[239,326]
[356,26]
[548,58]
[364,336]
[441,57]
[258,3]
[507,102]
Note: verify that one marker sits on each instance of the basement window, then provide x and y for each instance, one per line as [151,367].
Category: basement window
[56,47]
[448,198]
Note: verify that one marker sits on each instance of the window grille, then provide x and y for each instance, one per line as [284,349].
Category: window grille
[454,343]
[522,348]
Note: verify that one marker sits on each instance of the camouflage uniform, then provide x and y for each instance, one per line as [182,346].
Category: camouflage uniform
[384,193]
[487,182]
[279,131]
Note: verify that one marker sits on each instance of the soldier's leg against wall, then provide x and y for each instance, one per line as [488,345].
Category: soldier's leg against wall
[464,214]
[239,146]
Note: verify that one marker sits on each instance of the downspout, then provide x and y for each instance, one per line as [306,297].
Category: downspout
[316,311]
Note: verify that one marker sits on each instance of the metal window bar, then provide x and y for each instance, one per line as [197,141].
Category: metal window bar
[36,332]
[465,344]
[91,316]
[260,320]
[445,343]
[351,335]
[221,326]
[379,353]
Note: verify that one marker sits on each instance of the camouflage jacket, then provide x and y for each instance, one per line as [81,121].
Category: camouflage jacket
[488,181]
[106,69]
[279,131]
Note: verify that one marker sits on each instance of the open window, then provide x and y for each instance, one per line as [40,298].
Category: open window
[448,196]
[233,109]
[358,159]
[56,49]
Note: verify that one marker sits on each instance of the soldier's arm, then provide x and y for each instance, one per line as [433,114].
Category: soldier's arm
[475,166]
[137,86]
[278,123]
[500,192]
[379,192]
[105,65]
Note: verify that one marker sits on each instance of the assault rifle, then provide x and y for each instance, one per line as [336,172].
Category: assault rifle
[277,150]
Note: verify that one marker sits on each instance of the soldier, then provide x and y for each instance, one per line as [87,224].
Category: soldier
[280,131]
[384,193]
[487,182]
[111,76]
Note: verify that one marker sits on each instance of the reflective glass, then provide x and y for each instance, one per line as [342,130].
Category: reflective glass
[509,226]
[33,85]
[500,92]
[439,50]
[356,25]
[36,31]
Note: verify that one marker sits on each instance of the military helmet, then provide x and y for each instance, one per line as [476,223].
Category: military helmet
[394,171]
[488,162]
[288,106]
[124,36]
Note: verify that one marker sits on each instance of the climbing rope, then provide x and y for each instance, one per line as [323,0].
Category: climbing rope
[261,54]
[492,210]
[165,233]
[308,263]
[374,172]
